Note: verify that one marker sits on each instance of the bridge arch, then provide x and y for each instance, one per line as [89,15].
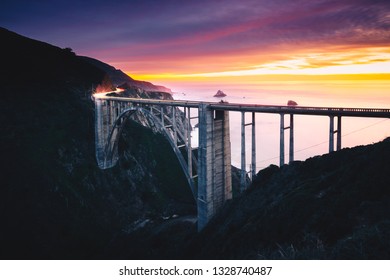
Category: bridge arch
[153,122]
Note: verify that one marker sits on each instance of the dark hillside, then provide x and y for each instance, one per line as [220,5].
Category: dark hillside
[33,63]
[119,78]
[336,206]
[332,207]
[55,203]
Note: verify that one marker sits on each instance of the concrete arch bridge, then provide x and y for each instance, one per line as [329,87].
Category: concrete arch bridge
[209,171]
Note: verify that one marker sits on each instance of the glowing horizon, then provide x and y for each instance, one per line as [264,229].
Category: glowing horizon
[227,41]
[365,62]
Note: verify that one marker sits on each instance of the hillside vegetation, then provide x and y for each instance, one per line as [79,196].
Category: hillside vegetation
[336,206]
[54,200]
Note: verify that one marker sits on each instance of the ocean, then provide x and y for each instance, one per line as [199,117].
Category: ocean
[311,133]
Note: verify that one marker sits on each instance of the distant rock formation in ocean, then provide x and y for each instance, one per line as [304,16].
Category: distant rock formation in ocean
[220,93]
[292,103]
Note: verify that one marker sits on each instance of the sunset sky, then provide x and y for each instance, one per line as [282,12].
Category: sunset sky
[316,52]
[196,39]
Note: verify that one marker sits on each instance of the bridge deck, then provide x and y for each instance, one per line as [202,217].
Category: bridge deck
[272,109]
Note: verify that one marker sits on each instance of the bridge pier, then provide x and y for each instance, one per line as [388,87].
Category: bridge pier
[214,166]
[188,135]
[291,157]
[243,175]
[332,132]
[105,117]
[338,133]
[281,146]
[243,155]
[291,142]
[253,164]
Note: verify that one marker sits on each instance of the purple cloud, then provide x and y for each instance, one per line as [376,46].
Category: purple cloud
[140,30]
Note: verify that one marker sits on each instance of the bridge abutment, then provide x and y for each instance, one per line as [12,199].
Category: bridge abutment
[105,116]
[214,166]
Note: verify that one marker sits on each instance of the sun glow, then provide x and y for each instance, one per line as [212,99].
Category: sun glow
[297,67]
[365,62]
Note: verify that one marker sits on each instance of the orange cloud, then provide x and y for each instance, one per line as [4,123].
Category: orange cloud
[304,61]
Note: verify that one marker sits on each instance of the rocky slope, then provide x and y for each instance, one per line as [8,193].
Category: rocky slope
[54,200]
[119,78]
[332,207]
[138,92]
[336,206]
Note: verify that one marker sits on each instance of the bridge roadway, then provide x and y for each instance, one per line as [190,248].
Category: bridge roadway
[210,181]
[259,108]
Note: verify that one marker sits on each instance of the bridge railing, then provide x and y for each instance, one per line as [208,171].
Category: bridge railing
[259,107]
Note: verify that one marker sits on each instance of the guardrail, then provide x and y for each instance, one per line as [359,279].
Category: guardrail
[276,109]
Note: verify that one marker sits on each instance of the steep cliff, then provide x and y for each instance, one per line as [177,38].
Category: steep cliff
[119,78]
[336,206]
[54,200]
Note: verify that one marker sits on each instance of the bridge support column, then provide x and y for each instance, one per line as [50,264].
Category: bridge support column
[243,157]
[100,133]
[104,119]
[162,115]
[214,166]
[338,133]
[291,148]
[332,132]
[253,165]
[189,149]
[281,152]
[291,157]
[174,127]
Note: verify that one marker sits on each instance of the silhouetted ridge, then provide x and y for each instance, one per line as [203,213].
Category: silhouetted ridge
[55,203]
[28,61]
[137,92]
[119,78]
